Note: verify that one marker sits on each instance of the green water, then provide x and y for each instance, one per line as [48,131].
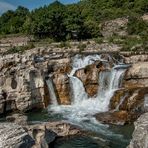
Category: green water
[99,136]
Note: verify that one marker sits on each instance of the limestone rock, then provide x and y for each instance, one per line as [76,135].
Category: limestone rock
[129,99]
[63,129]
[62,86]
[117,117]
[140,135]
[138,70]
[43,137]
[117,26]
[14,136]
[22,78]
[89,76]
[2,103]
[138,74]
[136,58]
[19,119]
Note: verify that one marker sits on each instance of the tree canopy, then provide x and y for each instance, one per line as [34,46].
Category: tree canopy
[62,22]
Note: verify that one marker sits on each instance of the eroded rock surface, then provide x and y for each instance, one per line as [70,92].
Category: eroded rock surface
[13,135]
[120,117]
[23,84]
[117,26]
[140,135]
[22,80]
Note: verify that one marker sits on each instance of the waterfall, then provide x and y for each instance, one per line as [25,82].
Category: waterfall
[109,82]
[146,102]
[78,91]
[51,89]
[103,83]
[117,75]
[82,106]
[81,62]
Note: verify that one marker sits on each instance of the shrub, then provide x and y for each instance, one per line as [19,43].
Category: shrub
[21,49]
[81,47]
[98,40]
[137,26]
[132,43]
[64,44]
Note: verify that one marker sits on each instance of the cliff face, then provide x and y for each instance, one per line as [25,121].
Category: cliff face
[132,98]
[22,80]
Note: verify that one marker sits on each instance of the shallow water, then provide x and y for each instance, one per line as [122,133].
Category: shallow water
[100,136]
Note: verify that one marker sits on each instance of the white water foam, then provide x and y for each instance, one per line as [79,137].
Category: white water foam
[80,62]
[78,90]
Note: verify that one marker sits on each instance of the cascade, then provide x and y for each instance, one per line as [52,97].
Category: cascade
[51,89]
[109,82]
[82,106]
[81,62]
[78,90]
[146,101]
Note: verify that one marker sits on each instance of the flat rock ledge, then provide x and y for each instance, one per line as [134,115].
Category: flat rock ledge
[14,136]
[140,135]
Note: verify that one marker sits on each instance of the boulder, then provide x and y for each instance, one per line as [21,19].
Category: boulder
[140,135]
[43,136]
[117,117]
[62,88]
[19,119]
[138,74]
[14,136]
[130,99]
[89,76]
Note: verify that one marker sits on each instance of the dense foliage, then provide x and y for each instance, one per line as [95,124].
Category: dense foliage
[81,20]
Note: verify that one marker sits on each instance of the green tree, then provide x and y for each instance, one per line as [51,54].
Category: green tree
[137,26]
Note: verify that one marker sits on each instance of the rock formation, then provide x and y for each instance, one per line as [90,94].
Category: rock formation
[13,135]
[140,135]
[23,84]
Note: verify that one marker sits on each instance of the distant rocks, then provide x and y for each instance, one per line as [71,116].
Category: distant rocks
[117,26]
[145,17]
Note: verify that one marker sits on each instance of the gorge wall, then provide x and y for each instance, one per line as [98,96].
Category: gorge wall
[25,80]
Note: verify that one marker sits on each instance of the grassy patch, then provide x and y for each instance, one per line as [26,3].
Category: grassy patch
[20,49]
[64,45]
[98,40]
[81,47]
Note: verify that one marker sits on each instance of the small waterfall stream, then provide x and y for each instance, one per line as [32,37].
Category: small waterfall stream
[78,90]
[51,89]
[121,101]
[109,82]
